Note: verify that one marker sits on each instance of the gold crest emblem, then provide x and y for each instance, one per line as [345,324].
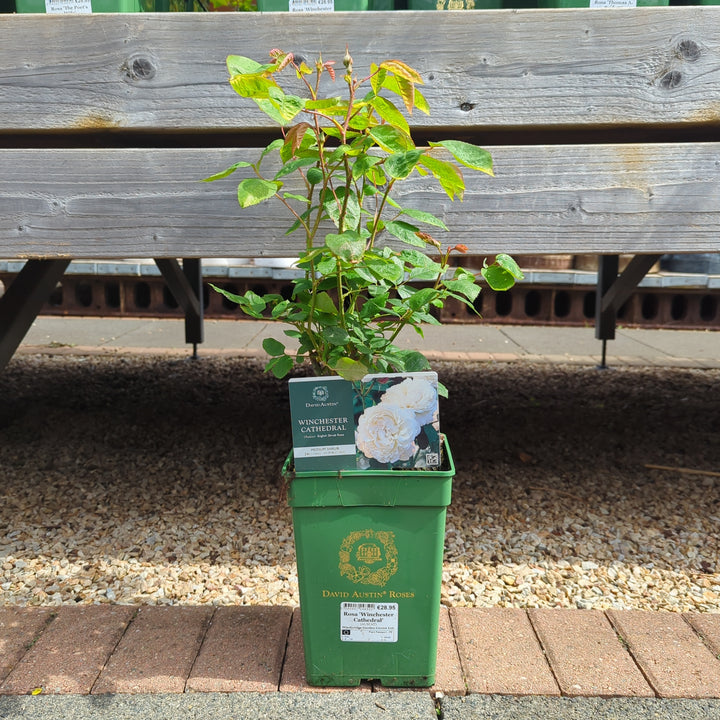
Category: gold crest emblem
[369,557]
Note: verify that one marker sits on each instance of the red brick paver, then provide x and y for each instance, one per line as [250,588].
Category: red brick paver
[671,655]
[157,651]
[71,652]
[500,653]
[586,655]
[79,649]
[243,650]
[293,674]
[708,625]
[449,678]
[19,628]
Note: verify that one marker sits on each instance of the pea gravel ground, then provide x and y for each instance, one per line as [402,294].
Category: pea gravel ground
[155,480]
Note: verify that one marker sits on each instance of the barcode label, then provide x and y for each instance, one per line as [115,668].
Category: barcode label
[369,622]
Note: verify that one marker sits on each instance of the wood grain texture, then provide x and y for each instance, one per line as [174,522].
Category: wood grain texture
[127,203]
[650,67]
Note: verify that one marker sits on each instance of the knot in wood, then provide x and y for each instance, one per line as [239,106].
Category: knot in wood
[140,67]
[689,50]
[466,106]
[671,80]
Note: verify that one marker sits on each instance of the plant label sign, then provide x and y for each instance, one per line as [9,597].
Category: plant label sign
[388,421]
[368,622]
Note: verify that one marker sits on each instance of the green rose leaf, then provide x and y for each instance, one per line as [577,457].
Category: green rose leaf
[348,246]
[425,217]
[414,361]
[350,369]
[324,303]
[390,114]
[404,231]
[471,156]
[229,171]
[421,298]
[335,335]
[391,139]
[465,287]
[280,366]
[400,165]
[252,85]
[239,65]
[497,277]
[254,191]
[507,263]
[273,347]
[449,176]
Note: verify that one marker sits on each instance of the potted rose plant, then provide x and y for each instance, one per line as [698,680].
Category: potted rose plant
[369,542]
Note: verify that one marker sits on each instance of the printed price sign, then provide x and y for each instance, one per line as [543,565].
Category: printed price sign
[67,7]
[369,622]
[311,5]
[613,3]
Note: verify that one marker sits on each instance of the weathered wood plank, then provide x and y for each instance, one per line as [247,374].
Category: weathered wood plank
[654,67]
[115,203]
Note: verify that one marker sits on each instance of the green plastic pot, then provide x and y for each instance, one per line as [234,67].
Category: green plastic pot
[369,548]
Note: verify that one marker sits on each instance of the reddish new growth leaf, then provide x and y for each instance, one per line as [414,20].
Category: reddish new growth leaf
[429,239]
[461,248]
[295,135]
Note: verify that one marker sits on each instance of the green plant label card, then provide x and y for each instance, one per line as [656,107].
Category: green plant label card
[384,421]
[323,429]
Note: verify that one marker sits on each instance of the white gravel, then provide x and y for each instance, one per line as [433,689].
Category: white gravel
[156,480]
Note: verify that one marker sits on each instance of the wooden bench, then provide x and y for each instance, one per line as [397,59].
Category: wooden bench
[603,125]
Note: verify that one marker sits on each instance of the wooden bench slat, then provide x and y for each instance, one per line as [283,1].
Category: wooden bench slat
[652,67]
[120,203]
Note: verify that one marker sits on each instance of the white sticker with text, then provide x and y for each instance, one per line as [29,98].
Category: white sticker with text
[369,622]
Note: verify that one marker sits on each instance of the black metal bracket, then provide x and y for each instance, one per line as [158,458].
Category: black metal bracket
[613,290]
[185,283]
[23,300]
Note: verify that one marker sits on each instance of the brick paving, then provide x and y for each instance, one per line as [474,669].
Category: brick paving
[119,649]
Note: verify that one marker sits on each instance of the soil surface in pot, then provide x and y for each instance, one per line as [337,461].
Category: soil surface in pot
[157,480]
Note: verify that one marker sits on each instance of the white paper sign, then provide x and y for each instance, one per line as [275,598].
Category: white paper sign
[67,7]
[311,5]
[369,622]
[613,3]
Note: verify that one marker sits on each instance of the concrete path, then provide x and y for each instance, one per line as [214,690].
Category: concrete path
[493,343]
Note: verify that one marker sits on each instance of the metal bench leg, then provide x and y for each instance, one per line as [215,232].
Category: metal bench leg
[23,300]
[185,283]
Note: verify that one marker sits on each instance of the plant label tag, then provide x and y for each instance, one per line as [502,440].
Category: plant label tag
[613,3]
[311,5]
[381,422]
[369,622]
[67,7]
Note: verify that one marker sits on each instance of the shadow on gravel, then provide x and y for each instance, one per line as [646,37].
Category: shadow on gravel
[552,465]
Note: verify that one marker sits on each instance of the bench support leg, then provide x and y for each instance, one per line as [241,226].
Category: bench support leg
[185,283]
[23,300]
[613,290]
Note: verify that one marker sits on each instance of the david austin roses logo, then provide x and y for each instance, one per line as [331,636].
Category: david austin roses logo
[401,425]
[320,393]
[369,557]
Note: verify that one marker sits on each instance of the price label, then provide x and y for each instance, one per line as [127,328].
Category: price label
[613,3]
[311,5]
[67,7]
[369,622]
